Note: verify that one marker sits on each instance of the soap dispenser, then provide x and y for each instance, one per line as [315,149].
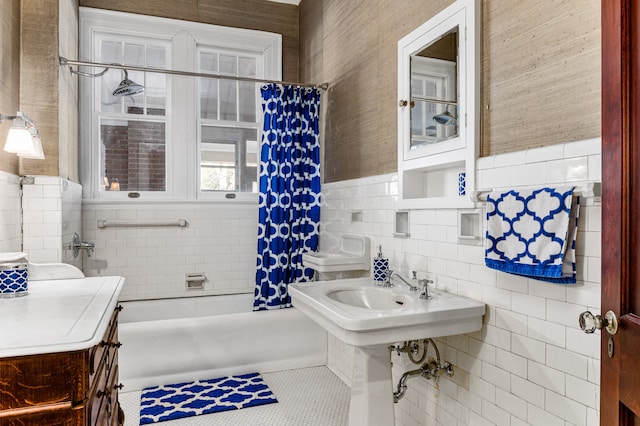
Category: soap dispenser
[380,267]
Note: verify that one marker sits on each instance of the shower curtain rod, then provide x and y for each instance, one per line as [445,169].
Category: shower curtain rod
[67,62]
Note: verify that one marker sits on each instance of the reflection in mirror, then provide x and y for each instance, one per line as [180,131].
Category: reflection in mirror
[434,91]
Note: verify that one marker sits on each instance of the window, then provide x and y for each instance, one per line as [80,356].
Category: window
[228,122]
[131,130]
[183,137]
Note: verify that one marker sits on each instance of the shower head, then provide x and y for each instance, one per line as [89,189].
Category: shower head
[445,118]
[128,87]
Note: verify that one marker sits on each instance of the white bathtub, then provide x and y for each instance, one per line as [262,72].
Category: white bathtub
[176,340]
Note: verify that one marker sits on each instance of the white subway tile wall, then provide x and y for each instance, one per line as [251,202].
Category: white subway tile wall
[52,213]
[530,364]
[9,212]
[71,221]
[219,241]
[51,209]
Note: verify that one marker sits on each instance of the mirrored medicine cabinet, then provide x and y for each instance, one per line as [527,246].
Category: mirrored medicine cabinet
[438,114]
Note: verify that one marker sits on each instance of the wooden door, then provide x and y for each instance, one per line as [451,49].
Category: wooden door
[620,374]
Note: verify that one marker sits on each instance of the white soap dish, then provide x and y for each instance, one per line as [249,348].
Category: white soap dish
[353,255]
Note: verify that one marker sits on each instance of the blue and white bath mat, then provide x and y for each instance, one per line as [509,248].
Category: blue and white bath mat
[170,402]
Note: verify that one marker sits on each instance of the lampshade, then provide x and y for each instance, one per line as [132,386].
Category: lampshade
[19,140]
[24,141]
[38,153]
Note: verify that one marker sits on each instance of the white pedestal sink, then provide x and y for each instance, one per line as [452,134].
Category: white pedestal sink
[372,318]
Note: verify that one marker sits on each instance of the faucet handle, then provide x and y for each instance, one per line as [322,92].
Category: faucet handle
[424,294]
[387,278]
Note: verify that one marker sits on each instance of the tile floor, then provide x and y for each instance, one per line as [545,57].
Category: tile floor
[306,397]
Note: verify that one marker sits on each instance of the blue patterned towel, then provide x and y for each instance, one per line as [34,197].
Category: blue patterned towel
[533,233]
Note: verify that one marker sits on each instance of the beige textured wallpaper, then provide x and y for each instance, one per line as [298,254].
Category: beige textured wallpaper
[540,75]
[9,75]
[39,80]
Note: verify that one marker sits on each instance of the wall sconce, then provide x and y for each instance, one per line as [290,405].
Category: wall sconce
[115,185]
[23,138]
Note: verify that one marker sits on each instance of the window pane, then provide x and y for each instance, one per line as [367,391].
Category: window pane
[156,57]
[228,100]
[133,155]
[209,86]
[156,83]
[134,104]
[228,64]
[110,52]
[209,62]
[252,163]
[209,98]
[228,88]
[228,159]
[247,67]
[247,100]
[218,167]
[134,54]
[138,54]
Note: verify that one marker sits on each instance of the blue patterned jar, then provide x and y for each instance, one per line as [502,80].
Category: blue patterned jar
[380,268]
[13,279]
[462,183]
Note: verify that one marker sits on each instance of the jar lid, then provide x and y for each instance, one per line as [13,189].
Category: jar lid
[12,256]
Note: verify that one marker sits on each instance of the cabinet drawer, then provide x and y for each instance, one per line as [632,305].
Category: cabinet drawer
[32,381]
[51,418]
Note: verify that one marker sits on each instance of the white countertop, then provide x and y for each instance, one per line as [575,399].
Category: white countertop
[58,315]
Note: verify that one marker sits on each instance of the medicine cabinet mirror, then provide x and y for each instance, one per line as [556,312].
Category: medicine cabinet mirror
[438,127]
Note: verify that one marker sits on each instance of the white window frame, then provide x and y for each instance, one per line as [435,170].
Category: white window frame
[182,111]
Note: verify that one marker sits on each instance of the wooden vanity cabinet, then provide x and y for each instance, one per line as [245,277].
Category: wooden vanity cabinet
[66,388]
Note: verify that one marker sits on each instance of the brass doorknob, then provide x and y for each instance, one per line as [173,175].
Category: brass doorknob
[590,323]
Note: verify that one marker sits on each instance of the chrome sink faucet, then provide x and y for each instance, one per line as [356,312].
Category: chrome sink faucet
[391,274]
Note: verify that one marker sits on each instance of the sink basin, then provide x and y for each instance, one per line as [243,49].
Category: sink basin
[369,298]
[371,318]
[361,314]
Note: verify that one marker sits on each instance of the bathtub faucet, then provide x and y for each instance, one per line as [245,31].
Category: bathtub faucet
[392,274]
[76,245]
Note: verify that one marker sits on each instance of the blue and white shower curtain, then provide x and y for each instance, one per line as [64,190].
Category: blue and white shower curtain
[289,178]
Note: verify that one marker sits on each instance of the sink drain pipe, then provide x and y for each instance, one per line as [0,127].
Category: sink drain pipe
[429,370]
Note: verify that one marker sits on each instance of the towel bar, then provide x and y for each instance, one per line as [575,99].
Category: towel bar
[589,189]
[132,223]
